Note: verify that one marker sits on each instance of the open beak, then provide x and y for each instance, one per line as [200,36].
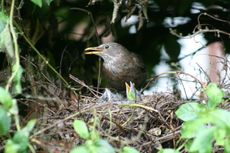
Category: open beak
[93,50]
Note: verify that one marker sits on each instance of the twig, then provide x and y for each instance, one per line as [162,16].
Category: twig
[83,84]
[206,30]
[116,6]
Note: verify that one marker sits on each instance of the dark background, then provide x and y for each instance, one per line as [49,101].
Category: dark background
[62,30]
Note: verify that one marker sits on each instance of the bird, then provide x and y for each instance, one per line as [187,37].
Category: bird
[120,66]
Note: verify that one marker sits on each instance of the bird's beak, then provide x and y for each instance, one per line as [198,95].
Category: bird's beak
[93,50]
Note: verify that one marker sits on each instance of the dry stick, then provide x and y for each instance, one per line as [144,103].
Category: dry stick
[198,26]
[193,53]
[83,84]
[199,32]
[201,84]
[196,51]
[140,106]
[70,117]
[168,136]
[116,6]
[183,86]
[209,80]
[171,72]
[226,69]
[148,109]
[223,58]
[140,131]
[213,17]
[89,109]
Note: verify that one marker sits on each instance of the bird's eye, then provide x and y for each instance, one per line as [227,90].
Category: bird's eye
[106,46]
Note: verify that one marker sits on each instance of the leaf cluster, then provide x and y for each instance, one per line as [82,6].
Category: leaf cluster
[205,126]
[93,142]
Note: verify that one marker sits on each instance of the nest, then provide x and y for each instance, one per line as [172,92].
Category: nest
[147,125]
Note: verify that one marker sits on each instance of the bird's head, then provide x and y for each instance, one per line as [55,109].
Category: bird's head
[108,51]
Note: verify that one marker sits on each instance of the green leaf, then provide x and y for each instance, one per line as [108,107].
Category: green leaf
[203,141]
[227,145]
[30,125]
[94,135]
[3,21]
[11,147]
[91,146]
[190,128]
[6,42]
[188,144]
[22,140]
[219,117]
[17,88]
[189,111]
[14,109]
[37,2]
[219,136]
[5,122]
[168,151]
[5,98]
[81,129]
[80,149]
[128,149]
[221,120]
[102,146]
[21,137]
[215,95]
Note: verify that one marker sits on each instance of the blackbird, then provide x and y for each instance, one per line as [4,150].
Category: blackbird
[120,66]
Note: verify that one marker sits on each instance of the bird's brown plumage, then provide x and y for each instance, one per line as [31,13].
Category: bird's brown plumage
[120,65]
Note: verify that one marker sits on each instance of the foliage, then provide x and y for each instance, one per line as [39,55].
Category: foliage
[8,105]
[20,142]
[93,142]
[205,124]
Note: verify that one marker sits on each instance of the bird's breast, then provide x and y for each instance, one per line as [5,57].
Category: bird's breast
[117,73]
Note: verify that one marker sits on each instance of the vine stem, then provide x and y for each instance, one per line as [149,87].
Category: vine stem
[16,63]
[2,5]
[15,44]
